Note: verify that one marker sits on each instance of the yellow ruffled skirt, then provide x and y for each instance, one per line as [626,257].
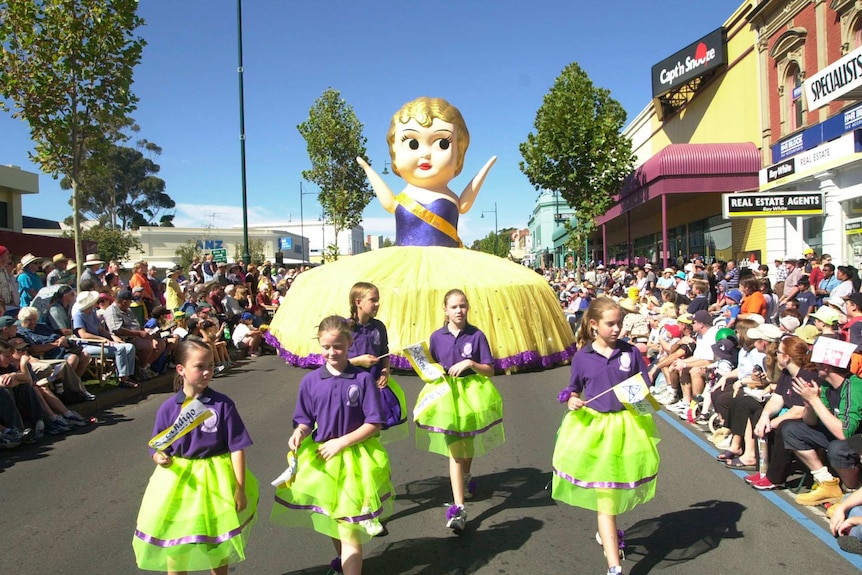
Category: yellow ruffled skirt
[512,304]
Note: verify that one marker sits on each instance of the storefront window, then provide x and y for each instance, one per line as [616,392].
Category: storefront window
[719,239]
[812,233]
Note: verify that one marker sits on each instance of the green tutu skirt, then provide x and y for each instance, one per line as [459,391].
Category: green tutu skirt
[459,416]
[395,409]
[607,462]
[188,519]
[343,497]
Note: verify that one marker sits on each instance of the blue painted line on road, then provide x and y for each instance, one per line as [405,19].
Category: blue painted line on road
[807,522]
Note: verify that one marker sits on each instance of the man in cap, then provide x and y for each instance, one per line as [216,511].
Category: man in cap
[29,282]
[221,274]
[692,377]
[650,278]
[245,336]
[89,327]
[833,412]
[60,274]
[122,323]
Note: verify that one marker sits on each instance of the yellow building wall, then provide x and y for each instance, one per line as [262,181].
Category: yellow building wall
[728,108]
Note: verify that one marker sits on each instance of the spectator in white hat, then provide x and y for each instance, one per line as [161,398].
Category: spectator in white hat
[29,282]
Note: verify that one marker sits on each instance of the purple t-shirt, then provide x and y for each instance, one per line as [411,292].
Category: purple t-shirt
[470,343]
[370,338]
[593,373]
[337,404]
[223,433]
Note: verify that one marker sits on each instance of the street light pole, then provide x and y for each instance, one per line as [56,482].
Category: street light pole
[246,257]
[496,235]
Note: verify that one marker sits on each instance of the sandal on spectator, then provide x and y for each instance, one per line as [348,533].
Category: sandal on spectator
[128,383]
[726,455]
[737,463]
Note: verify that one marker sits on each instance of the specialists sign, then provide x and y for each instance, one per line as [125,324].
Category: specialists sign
[773,204]
[841,80]
[693,61]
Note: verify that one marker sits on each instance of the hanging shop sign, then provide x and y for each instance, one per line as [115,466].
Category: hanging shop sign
[773,204]
[841,80]
[853,228]
[841,123]
[693,61]
[821,157]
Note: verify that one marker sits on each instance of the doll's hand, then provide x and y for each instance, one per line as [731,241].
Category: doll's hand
[162,459]
[330,449]
[364,165]
[239,498]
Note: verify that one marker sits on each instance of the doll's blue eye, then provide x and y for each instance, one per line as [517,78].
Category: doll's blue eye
[414,144]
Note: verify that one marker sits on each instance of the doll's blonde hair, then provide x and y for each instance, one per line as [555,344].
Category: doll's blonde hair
[424,110]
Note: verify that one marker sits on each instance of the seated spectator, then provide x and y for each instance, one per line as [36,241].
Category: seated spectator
[58,317]
[215,299]
[48,345]
[692,377]
[788,324]
[11,423]
[753,301]
[180,330]
[730,312]
[783,406]
[207,331]
[846,523]
[826,320]
[806,300]
[90,328]
[700,301]
[831,415]
[27,401]
[124,325]
[746,402]
[161,326]
[771,300]
[245,337]
[232,307]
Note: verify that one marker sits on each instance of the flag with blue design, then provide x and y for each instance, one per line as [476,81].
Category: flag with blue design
[634,394]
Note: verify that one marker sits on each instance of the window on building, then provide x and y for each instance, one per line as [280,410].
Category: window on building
[4,215]
[856,34]
[793,89]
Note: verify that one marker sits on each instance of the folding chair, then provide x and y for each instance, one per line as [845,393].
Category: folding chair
[102,367]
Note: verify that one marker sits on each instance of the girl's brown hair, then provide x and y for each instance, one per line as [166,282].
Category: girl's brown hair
[595,311]
[359,291]
[182,352]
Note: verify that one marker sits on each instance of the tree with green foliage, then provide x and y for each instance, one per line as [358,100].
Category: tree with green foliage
[66,69]
[498,244]
[333,136]
[113,244]
[119,188]
[187,252]
[256,249]
[578,148]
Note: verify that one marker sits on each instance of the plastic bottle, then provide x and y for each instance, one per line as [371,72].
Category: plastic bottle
[762,459]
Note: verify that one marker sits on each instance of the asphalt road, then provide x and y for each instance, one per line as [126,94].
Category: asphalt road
[69,505]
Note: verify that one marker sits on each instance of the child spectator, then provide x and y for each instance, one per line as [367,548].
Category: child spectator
[245,336]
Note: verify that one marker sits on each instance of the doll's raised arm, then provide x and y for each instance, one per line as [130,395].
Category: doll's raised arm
[384,194]
[468,196]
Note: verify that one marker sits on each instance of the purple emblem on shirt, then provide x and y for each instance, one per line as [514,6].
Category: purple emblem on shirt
[593,373]
[470,343]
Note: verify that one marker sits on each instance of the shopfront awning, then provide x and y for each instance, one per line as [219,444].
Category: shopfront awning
[689,169]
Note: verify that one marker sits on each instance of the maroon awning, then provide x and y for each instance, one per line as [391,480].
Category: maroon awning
[686,169]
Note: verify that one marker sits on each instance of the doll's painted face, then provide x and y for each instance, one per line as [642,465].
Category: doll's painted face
[426,157]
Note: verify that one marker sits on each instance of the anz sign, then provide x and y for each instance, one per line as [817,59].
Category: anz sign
[209,244]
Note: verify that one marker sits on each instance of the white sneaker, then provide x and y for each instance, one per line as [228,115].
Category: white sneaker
[678,407]
[372,526]
[670,397]
[456,517]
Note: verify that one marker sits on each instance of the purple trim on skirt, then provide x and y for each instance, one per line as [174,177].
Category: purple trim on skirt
[316,509]
[459,433]
[523,360]
[604,484]
[207,539]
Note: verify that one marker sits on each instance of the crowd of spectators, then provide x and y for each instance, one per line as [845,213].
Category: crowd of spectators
[765,359]
[55,330]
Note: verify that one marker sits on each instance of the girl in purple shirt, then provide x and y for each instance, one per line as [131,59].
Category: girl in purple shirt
[460,416]
[605,458]
[183,526]
[370,352]
[342,487]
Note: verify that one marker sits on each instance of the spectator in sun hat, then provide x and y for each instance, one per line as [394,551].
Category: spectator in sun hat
[60,274]
[788,324]
[221,274]
[88,326]
[92,262]
[807,333]
[666,280]
[826,319]
[29,282]
[173,289]
[681,286]
[8,283]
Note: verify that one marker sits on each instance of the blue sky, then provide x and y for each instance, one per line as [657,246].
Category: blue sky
[494,59]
